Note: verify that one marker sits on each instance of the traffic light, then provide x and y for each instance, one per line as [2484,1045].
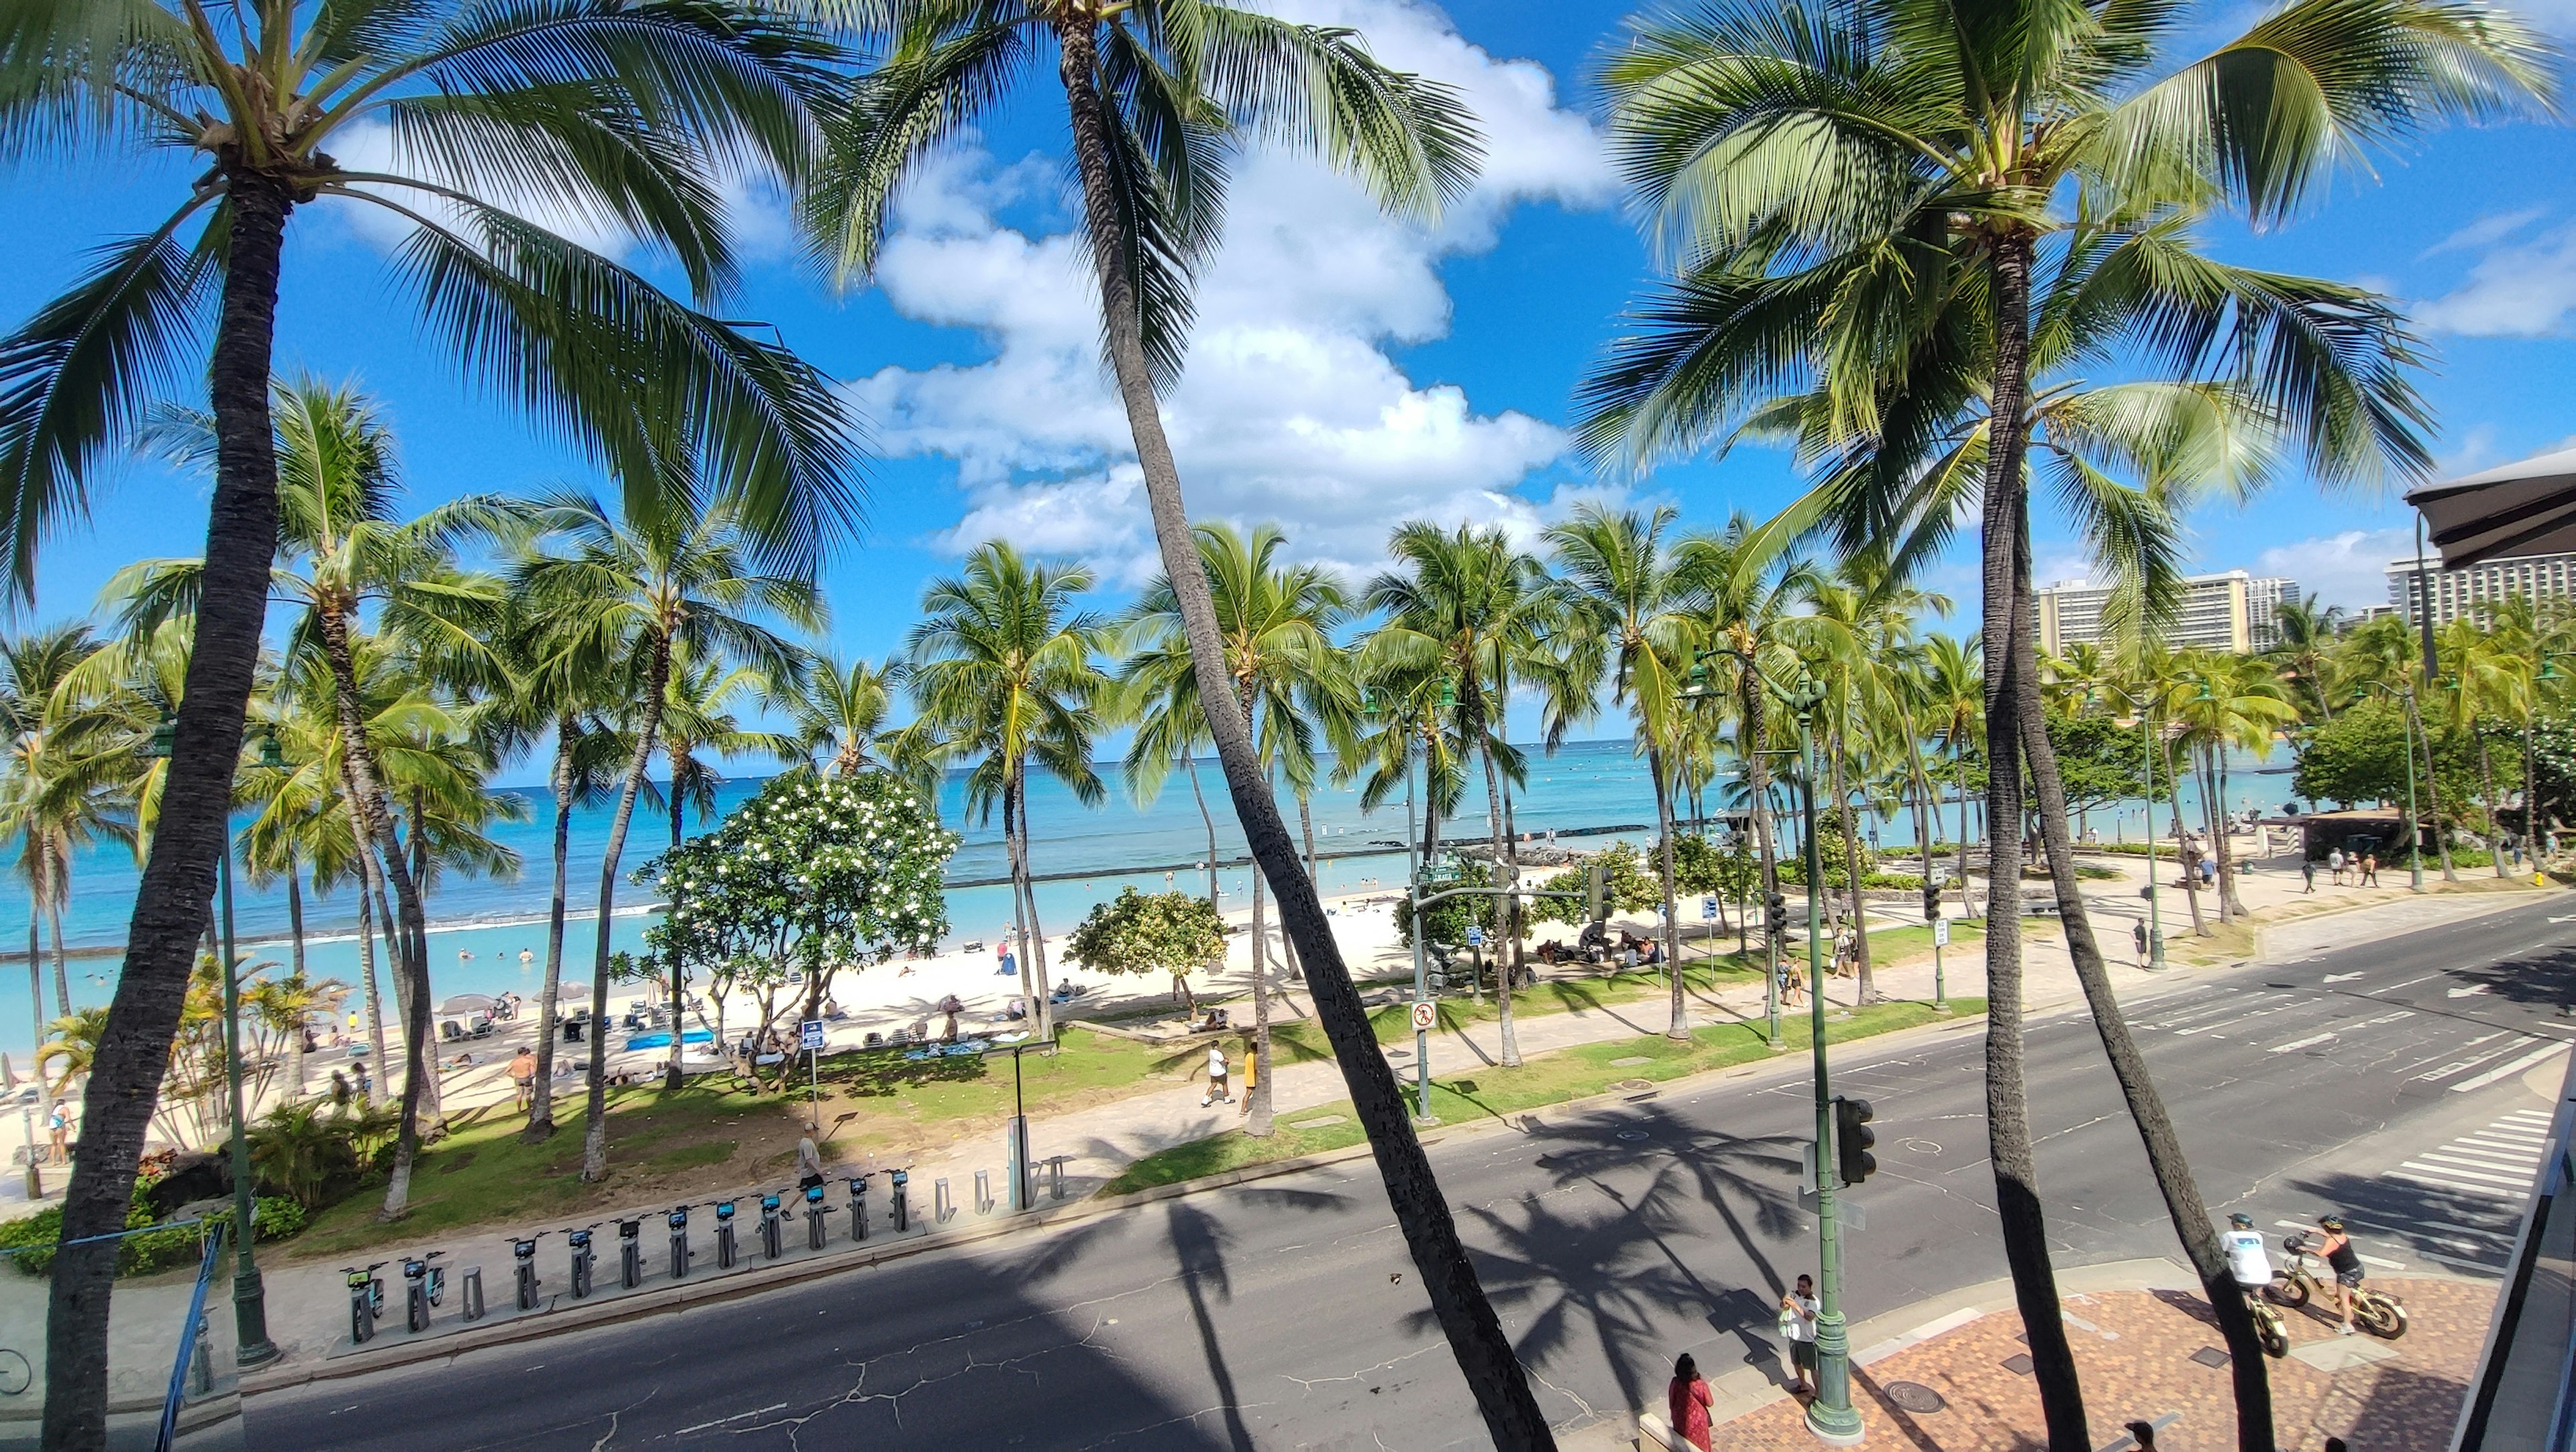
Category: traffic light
[1775,916]
[1596,892]
[1931,901]
[1853,1162]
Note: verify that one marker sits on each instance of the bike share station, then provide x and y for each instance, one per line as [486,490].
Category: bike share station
[844,1221]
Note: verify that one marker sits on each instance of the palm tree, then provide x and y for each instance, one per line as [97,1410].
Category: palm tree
[842,712]
[1948,183]
[1625,624]
[2304,632]
[2490,680]
[2381,654]
[1954,714]
[1293,683]
[1468,606]
[697,717]
[624,598]
[1158,95]
[1006,671]
[474,98]
[342,552]
[69,786]
[2225,701]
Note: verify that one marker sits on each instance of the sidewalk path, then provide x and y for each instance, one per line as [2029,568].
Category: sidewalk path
[2153,1354]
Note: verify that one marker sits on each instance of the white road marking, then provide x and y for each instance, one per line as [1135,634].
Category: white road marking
[2475,1169]
[2453,1186]
[2527,1061]
[2373,1260]
[2465,992]
[2294,1045]
[2341,977]
[2462,1263]
[2462,1066]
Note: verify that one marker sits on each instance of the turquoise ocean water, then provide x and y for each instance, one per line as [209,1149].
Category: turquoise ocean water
[479,927]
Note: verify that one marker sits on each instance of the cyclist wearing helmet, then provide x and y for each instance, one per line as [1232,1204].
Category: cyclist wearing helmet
[2338,1252]
[2246,1260]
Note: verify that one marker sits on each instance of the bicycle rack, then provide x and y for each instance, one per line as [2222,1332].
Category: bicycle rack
[940,1206]
[726,1253]
[681,1255]
[1055,1176]
[902,1206]
[858,1207]
[470,1293]
[817,1235]
[983,1192]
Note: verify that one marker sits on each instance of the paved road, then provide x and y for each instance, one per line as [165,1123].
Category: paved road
[1286,1314]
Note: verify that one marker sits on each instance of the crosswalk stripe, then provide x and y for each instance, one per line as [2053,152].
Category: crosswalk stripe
[2492,1184]
[2455,1187]
[2521,1154]
[2510,1174]
[2294,1045]
[2507,1071]
[2466,1263]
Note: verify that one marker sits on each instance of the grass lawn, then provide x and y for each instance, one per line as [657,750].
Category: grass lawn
[1548,1079]
[480,1174]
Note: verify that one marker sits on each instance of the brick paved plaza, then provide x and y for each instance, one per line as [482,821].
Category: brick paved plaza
[2136,1351]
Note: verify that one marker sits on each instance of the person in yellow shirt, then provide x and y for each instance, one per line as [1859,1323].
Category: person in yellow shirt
[1251,1076]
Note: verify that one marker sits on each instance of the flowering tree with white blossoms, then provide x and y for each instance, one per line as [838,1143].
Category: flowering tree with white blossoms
[812,875]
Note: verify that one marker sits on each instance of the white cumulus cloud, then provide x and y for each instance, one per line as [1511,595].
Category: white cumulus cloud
[2518,289]
[1291,409]
[2349,568]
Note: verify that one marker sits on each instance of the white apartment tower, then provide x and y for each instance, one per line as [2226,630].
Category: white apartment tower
[2234,611]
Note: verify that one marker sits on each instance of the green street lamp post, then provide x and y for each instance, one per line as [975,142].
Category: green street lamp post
[1374,703]
[2414,849]
[1831,1416]
[250,1296]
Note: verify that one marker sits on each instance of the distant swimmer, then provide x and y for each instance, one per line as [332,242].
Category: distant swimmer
[526,957]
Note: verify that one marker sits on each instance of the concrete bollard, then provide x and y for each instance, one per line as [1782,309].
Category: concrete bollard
[1055,1177]
[940,1206]
[470,1293]
[983,1192]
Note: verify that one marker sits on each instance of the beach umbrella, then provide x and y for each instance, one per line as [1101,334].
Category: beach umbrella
[466,1003]
[952,1004]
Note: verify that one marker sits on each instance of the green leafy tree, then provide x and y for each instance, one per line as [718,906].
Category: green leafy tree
[2100,759]
[1171,933]
[1629,887]
[812,874]
[2359,756]
[630,113]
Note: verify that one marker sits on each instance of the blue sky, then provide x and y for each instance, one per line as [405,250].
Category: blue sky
[1349,371]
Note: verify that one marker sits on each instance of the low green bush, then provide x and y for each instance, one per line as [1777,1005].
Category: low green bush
[30,1241]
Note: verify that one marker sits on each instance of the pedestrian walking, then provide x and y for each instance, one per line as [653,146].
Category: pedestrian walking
[2370,869]
[59,1124]
[2308,872]
[1798,1311]
[2334,865]
[1251,1076]
[2144,1433]
[366,1086]
[339,1090]
[1690,1402]
[2138,934]
[809,1164]
[1216,1077]
[523,1078]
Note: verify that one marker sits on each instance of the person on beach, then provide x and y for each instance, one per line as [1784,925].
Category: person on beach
[59,1124]
[366,1086]
[1002,950]
[1798,1311]
[523,1078]
[1216,1077]
[1689,1401]
[339,1090]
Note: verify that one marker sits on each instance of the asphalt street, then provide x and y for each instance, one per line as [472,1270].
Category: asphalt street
[2382,1080]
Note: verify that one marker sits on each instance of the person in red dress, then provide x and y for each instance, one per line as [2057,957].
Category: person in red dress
[1690,1402]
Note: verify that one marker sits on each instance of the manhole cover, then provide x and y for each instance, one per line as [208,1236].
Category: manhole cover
[1632,1134]
[1630,1062]
[2018,1363]
[1914,1396]
[2210,1356]
[1630,1086]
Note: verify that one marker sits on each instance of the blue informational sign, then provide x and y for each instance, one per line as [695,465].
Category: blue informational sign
[813,1034]
[1475,937]
[1708,908]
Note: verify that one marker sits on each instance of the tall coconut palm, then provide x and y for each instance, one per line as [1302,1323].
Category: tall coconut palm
[2226,702]
[841,713]
[625,593]
[1168,729]
[697,720]
[1947,183]
[1006,672]
[1468,606]
[1291,679]
[1625,626]
[68,785]
[475,101]
[1954,715]
[2304,632]
[2487,684]
[1159,95]
[342,552]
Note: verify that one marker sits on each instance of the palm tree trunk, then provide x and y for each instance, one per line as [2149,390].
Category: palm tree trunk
[36,992]
[1864,988]
[2432,793]
[374,991]
[56,887]
[1306,825]
[2495,813]
[2204,777]
[541,1107]
[671,1071]
[2005,641]
[174,899]
[2226,848]
[1502,860]
[1256,1098]
[2165,1158]
[2530,796]
[1476,1338]
[1959,770]
[1037,930]
[1758,786]
[1191,765]
[1679,1026]
[657,685]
